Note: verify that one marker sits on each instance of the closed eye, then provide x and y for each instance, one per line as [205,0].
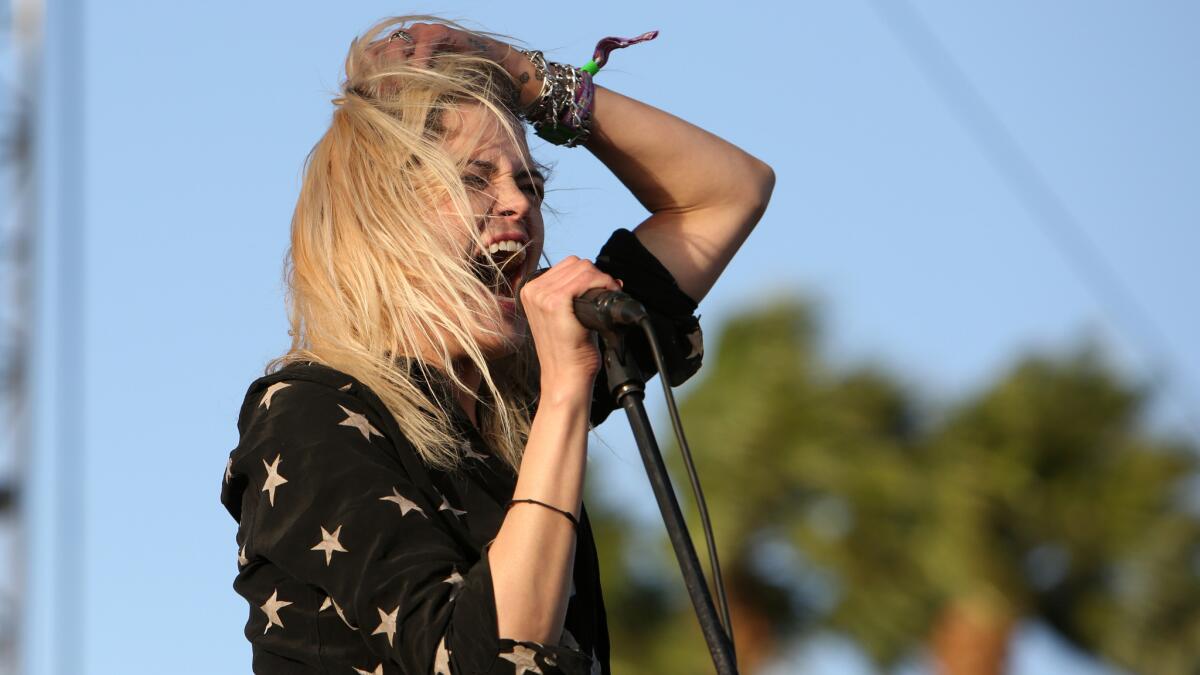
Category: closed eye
[475,182]
[535,189]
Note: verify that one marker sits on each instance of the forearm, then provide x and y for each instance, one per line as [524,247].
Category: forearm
[668,163]
[533,555]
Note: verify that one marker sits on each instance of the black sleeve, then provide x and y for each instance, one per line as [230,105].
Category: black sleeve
[672,313]
[330,507]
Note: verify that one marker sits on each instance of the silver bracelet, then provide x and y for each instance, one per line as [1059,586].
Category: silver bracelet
[561,113]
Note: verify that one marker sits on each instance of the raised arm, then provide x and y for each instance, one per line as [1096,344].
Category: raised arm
[704,194]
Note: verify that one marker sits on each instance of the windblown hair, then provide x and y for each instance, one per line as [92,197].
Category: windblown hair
[378,283]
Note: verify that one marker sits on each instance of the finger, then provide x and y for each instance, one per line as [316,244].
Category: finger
[440,39]
[565,273]
[397,50]
[591,279]
[581,277]
[424,37]
[536,281]
[548,284]
[421,52]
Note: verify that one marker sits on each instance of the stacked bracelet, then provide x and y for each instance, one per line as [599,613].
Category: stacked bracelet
[562,111]
[569,515]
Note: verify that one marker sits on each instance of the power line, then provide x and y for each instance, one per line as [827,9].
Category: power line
[65,34]
[1048,210]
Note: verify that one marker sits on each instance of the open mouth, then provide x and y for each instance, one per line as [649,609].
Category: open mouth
[502,268]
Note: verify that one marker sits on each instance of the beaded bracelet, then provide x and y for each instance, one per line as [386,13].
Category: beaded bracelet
[570,517]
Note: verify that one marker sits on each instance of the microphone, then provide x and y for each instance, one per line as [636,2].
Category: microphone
[603,310]
[599,309]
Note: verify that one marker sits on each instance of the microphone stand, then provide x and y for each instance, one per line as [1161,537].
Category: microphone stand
[628,386]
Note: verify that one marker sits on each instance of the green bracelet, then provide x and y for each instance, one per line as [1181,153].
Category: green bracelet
[605,46]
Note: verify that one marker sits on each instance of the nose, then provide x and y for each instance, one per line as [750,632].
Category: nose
[511,201]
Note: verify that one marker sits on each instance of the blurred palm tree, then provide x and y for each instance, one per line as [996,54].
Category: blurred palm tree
[838,503]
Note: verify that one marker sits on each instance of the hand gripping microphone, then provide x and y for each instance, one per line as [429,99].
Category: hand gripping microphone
[608,313]
[600,309]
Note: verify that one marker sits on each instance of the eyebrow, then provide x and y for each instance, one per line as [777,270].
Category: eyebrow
[490,168]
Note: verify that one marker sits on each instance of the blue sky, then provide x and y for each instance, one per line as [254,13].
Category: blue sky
[198,117]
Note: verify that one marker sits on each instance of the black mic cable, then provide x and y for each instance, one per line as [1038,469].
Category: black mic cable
[686,453]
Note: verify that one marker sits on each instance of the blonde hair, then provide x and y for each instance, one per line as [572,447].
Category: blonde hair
[375,277]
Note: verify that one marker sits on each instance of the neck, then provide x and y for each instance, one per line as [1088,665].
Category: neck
[469,374]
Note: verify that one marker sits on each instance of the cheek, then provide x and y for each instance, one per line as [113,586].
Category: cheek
[449,220]
[537,232]
[536,246]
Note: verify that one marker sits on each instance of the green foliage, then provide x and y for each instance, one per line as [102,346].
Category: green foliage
[1041,497]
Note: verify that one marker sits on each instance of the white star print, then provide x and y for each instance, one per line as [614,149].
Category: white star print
[441,660]
[522,659]
[405,505]
[378,671]
[274,480]
[387,624]
[271,391]
[456,581]
[271,608]
[595,664]
[358,421]
[446,507]
[330,602]
[242,561]
[344,387]
[329,543]
[229,470]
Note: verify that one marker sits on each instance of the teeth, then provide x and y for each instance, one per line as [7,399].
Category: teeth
[504,246]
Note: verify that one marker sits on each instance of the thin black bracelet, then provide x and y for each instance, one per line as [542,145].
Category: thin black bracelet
[570,517]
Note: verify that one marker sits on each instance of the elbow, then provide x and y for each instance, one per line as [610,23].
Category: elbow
[764,182]
[754,185]
[756,194]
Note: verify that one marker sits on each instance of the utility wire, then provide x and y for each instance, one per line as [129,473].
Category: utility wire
[66,90]
[1048,210]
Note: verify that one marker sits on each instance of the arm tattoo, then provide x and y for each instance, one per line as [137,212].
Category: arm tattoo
[477,44]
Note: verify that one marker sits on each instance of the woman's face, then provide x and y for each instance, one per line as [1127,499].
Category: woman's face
[506,191]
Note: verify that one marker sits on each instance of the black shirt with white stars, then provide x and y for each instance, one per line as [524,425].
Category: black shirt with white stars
[356,557]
